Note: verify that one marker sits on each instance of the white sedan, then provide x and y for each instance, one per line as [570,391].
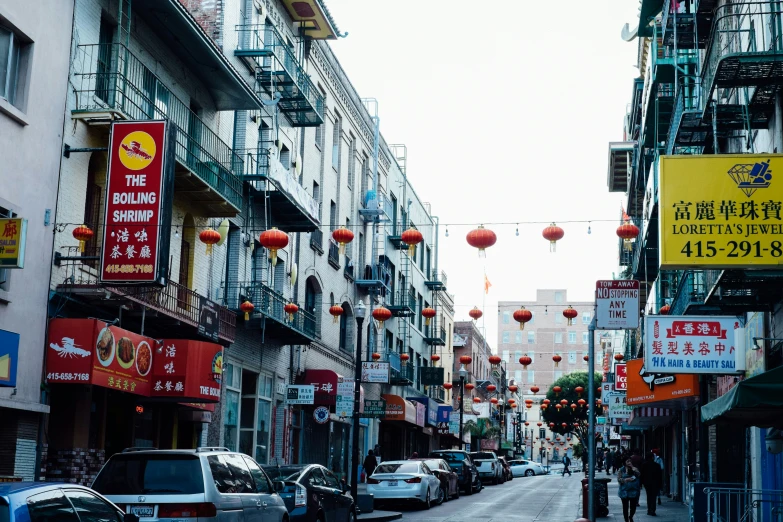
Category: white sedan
[402,480]
[526,468]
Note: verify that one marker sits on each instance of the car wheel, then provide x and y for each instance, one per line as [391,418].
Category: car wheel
[495,481]
[442,497]
[427,502]
[529,472]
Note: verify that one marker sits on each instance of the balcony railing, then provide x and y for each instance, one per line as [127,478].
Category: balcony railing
[691,291]
[108,78]
[400,373]
[437,393]
[437,280]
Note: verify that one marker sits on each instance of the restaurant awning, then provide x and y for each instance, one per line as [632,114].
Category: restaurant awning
[647,417]
[757,401]
[398,409]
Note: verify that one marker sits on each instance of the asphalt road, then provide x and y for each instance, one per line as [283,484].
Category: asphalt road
[547,498]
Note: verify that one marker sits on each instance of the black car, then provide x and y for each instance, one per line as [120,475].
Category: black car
[312,493]
[462,464]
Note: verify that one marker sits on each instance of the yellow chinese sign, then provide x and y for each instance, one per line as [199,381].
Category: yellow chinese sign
[12,240]
[721,211]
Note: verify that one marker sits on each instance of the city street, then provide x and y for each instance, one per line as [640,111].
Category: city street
[549,498]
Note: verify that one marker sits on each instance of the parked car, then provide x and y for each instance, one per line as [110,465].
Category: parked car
[526,468]
[404,480]
[312,493]
[449,480]
[213,484]
[489,467]
[45,502]
[506,468]
[463,466]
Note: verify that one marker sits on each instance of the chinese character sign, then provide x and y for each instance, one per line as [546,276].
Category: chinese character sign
[722,211]
[620,377]
[374,371]
[138,201]
[692,344]
[13,233]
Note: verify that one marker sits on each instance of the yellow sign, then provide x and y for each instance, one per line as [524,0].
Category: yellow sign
[721,211]
[12,241]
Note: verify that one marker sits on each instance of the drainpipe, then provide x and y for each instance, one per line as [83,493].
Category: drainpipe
[778,138]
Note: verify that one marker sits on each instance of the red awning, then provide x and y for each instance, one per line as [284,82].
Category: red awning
[324,383]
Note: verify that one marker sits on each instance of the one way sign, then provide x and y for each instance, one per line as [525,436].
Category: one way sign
[617,304]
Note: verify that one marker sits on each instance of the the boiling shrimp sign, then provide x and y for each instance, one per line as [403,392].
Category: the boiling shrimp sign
[138,203]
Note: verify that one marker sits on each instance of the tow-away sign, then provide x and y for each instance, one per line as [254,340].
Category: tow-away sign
[617,304]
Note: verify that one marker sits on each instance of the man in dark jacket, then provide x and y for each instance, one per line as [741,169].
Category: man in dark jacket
[652,480]
[369,464]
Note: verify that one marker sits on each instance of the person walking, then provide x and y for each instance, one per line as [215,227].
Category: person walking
[609,461]
[659,461]
[651,479]
[369,464]
[566,463]
[629,490]
[584,461]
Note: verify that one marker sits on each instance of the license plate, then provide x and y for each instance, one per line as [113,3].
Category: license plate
[392,482]
[142,511]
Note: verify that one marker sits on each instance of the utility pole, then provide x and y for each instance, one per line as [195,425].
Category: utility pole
[591,422]
[357,379]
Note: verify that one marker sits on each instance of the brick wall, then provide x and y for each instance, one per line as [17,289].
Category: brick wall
[209,15]
[76,466]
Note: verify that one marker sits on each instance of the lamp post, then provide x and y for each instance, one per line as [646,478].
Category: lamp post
[463,373]
[357,378]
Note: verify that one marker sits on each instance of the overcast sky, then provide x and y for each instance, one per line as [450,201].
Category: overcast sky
[506,109]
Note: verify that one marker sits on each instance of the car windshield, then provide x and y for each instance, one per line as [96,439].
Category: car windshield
[482,456]
[289,473]
[398,467]
[138,473]
[450,456]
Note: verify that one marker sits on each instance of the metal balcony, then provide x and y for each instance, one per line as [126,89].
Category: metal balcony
[400,374]
[269,314]
[691,295]
[403,304]
[279,73]
[373,206]
[374,277]
[436,281]
[437,393]
[435,333]
[111,83]
[171,310]
[690,29]
[620,156]
[687,131]
[740,291]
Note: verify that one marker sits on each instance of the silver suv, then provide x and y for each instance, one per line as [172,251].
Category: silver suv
[211,484]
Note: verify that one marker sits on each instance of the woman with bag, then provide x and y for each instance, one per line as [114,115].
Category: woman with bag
[630,488]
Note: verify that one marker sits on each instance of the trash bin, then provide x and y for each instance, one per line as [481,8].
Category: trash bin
[601,497]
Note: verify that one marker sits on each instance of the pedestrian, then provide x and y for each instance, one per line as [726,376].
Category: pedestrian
[584,461]
[369,464]
[415,455]
[651,479]
[566,463]
[609,461]
[629,490]
[617,462]
[636,458]
[659,461]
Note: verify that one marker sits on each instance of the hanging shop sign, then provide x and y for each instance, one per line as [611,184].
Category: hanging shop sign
[431,375]
[375,372]
[185,368]
[645,387]
[321,414]
[13,235]
[300,394]
[618,407]
[754,359]
[139,192]
[374,409]
[324,383]
[209,320]
[692,344]
[616,304]
[344,399]
[9,358]
[721,211]
[620,377]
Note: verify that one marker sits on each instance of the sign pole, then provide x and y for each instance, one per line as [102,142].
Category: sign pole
[591,423]
[357,385]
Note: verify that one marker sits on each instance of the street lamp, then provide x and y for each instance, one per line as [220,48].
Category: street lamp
[463,373]
[357,378]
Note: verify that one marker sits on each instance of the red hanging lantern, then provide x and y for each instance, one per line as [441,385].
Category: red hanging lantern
[664,310]
[513,388]
[491,388]
[539,424]
[381,314]
[404,358]
[481,238]
[475,313]
[447,385]
[493,400]
[524,361]
[428,314]
[527,423]
[570,314]
[586,358]
[535,389]
[291,309]
[573,406]
[411,237]
[476,400]
[495,360]
[564,402]
[209,237]
[248,308]
[576,425]
[543,406]
[469,386]
[558,406]
[618,357]
[434,357]
[376,356]
[581,402]
[466,359]
[557,360]
[551,425]
[342,236]
[553,234]
[82,233]
[273,240]
[522,316]
[564,425]
[557,390]
[336,311]
[627,232]
[579,390]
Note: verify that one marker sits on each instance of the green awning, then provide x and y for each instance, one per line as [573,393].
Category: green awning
[757,401]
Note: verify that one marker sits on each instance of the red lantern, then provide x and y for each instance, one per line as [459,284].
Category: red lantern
[525,360]
[570,314]
[553,234]
[247,307]
[412,237]
[404,357]
[565,425]
[534,389]
[564,402]
[539,424]
[481,238]
[273,240]
[513,388]
[376,356]
[579,390]
[573,406]
[342,236]
[576,425]
[664,310]
[475,313]
[522,316]
[546,401]
[557,390]
[543,406]
[428,314]
[291,309]
[528,406]
[336,311]
[476,400]
[83,233]
[558,406]
[466,359]
[435,357]
[209,237]
[447,385]
[582,402]
[381,314]
[618,357]
[627,232]
[557,359]
[493,400]
[527,423]
[495,360]
[491,388]
[469,386]
[586,358]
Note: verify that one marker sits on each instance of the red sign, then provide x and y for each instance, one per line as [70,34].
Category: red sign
[324,384]
[700,329]
[188,370]
[620,377]
[134,201]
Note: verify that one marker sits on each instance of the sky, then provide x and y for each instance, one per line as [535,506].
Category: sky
[507,109]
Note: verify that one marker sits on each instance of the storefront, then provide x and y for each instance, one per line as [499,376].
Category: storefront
[426,439]
[112,389]
[397,436]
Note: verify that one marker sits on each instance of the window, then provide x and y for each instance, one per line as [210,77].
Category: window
[506,337]
[531,338]
[13,51]
[571,357]
[518,376]
[351,162]
[333,215]
[336,136]
[285,157]
[532,354]
[517,355]
[343,333]
[531,376]
[506,356]
[518,337]
[558,297]
[506,317]
[137,474]
[262,484]
[571,337]
[586,317]
[91,508]
[331,480]
[558,318]
[558,374]
[585,337]
[558,337]
[51,506]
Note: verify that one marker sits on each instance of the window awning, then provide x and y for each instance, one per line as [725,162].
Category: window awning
[648,417]
[757,401]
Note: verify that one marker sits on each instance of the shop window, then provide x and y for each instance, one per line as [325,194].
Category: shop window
[262,430]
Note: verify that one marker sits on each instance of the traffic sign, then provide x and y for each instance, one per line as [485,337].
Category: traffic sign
[617,304]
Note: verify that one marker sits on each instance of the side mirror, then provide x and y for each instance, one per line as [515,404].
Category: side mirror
[130,517]
[279,487]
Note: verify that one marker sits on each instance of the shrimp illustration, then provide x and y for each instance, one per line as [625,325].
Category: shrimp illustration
[135,150]
[68,349]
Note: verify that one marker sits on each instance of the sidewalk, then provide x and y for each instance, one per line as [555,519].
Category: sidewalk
[668,511]
[375,515]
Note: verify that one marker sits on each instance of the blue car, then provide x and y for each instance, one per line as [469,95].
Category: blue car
[56,502]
